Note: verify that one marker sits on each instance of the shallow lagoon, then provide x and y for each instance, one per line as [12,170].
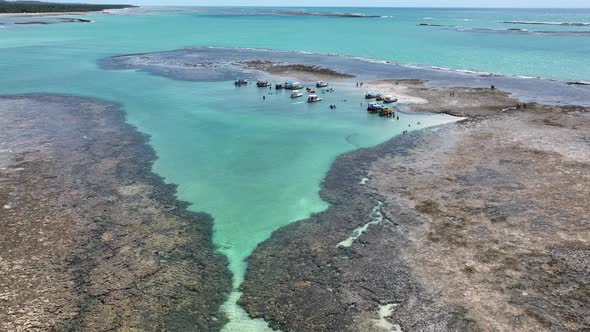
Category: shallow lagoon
[257,165]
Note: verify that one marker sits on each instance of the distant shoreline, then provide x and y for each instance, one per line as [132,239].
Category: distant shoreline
[104,11]
[47,14]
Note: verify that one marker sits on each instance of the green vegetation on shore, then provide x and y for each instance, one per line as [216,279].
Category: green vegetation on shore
[48,7]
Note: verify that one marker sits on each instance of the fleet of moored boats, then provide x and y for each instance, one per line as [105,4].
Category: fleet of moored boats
[383,109]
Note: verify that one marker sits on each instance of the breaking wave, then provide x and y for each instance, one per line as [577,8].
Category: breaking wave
[570,24]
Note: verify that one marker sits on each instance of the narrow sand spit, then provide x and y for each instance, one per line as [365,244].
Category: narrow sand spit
[401,92]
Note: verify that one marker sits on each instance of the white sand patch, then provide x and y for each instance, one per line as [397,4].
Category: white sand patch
[133,190]
[399,91]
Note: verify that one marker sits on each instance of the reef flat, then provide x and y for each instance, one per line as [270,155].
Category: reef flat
[90,238]
[481,225]
[299,71]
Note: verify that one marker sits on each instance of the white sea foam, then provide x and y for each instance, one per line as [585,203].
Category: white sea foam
[238,319]
[385,311]
[524,31]
[581,24]
[376,218]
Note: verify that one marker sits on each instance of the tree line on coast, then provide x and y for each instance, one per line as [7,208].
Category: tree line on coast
[48,7]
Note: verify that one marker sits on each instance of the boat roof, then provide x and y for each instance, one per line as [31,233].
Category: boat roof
[294,91]
[311,96]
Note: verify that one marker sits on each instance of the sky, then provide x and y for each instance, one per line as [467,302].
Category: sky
[358,3]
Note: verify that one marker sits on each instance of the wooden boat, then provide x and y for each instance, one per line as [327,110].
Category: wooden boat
[293,85]
[389,100]
[310,90]
[262,84]
[296,94]
[386,111]
[313,99]
[279,86]
[374,108]
[371,95]
[240,82]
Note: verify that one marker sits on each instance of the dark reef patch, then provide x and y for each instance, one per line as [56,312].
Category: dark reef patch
[91,238]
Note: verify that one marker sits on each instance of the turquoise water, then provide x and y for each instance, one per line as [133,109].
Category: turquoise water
[394,37]
[257,165]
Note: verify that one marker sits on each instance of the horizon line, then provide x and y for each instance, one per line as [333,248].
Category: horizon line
[372,7]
